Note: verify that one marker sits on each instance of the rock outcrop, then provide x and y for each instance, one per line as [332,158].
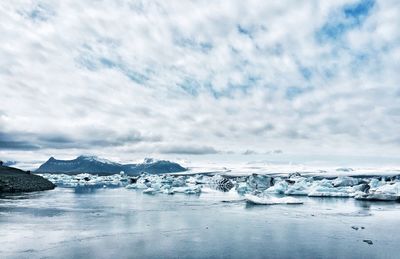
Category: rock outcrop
[13,180]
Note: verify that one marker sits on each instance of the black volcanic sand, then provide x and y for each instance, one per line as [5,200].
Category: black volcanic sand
[13,180]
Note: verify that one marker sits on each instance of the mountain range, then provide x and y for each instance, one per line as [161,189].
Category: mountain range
[93,164]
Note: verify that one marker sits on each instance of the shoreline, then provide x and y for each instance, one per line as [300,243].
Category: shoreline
[13,180]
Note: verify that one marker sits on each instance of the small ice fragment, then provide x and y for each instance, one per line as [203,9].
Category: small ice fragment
[187,189]
[369,242]
[150,191]
[168,191]
[131,186]
[141,186]
[252,199]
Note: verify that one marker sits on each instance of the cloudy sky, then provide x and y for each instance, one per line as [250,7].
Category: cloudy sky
[194,79]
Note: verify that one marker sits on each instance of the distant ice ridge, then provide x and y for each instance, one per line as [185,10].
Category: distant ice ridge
[256,188]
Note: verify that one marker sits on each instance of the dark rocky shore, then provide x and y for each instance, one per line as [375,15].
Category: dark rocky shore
[13,180]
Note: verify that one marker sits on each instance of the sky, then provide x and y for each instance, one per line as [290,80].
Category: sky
[200,80]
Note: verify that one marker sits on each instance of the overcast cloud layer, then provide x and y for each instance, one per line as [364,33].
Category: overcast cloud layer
[128,79]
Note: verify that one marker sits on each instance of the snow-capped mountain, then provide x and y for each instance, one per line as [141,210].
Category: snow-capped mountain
[93,164]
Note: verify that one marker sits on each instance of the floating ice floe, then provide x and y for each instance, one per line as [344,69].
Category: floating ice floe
[268,200]
[386,192]
[186,189]
[86,180]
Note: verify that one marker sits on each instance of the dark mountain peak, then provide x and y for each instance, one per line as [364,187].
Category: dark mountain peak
[94,164]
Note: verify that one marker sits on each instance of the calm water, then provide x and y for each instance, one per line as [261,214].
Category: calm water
[120,223]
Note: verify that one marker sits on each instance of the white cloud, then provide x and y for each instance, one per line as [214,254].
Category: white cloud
[128,78]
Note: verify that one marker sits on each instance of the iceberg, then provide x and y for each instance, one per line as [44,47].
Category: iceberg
[327,188]
[300,187]
[372,188]
[259,182]
[280,187]
[220,183]
[386,192]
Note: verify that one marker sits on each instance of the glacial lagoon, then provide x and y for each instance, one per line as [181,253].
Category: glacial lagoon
[116,222]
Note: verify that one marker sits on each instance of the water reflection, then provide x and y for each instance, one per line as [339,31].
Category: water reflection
[104,223]
[91,188]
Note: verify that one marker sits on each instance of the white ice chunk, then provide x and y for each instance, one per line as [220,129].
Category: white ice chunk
[187,189]
[330,192]
[243,188]
[137,186]
[392,188]
[300,187]
[131,186]
[150,191]
[326,188]
[279,187]
[252,199]
[345,181]
[375,183]
[259,182]
[168,191]
[387,192]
